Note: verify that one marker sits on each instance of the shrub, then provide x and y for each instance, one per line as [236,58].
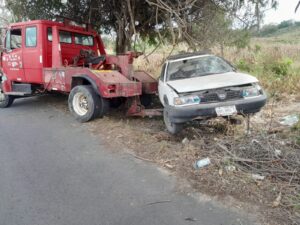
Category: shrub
[257,48]
[282,67]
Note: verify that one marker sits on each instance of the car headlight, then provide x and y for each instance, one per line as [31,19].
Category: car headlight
[253,91]
[187,100]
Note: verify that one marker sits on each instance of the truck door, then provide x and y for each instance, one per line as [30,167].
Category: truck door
[33,54]
[12,58]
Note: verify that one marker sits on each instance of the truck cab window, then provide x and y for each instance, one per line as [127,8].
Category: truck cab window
[14,39]
[64,36]
[49,32]
[31,39]
[7,40]
[86,40]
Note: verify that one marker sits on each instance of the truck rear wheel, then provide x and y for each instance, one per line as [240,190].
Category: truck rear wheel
[85,104]
[5,100]
[173,128]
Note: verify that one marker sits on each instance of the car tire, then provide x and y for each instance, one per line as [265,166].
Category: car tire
[84,103]
[173,128]
[5,100]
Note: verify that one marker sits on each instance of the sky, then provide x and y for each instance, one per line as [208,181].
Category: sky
[285,11]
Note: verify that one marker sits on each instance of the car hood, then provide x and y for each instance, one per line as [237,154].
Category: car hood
[211,82]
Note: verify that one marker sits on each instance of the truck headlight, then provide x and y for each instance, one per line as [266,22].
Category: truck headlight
[187,100]
[4,78]
[253,91]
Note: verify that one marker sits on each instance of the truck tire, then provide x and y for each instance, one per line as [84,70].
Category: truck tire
[5,100]
[146,100]
[173,128]
[84,103]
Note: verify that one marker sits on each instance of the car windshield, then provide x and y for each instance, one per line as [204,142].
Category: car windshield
[196,67]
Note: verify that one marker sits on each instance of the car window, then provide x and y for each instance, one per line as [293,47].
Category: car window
[31,37]
[197,66]
[162,75]
[86,40]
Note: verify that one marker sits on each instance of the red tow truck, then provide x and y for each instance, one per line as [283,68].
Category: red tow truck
[42,56]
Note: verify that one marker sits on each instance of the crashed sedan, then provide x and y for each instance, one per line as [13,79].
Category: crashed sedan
[200,86]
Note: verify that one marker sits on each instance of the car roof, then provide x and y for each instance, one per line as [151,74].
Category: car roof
[187,55]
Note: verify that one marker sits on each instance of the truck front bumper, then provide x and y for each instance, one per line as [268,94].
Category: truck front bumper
[187,113]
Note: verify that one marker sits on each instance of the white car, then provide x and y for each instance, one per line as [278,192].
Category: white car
[198,86]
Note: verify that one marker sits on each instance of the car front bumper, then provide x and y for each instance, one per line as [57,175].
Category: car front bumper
[187,113]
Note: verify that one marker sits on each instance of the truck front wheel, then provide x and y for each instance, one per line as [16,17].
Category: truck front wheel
[84,103]
[5,100]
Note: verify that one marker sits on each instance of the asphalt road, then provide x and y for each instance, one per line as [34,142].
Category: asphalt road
[54,172]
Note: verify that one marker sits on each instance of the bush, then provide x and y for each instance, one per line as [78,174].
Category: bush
[282,67]
[257,48]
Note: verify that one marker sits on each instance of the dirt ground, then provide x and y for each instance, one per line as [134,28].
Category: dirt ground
[260,167]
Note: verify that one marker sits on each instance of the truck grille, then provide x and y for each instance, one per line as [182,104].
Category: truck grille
[221,96]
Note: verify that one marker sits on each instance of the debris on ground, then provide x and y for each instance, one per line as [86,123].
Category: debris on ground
[185,141]
[290,120]
[258,177]
[202,163]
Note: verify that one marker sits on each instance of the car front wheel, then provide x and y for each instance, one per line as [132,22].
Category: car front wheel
[173,128]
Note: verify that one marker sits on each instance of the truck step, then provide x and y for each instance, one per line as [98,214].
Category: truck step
[23,88]
[17,93]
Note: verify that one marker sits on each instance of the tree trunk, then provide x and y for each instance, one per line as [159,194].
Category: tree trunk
[257,15]
[121,42]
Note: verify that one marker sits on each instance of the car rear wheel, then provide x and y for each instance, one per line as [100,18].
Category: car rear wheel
[173,128]
[5,100]
[85,104]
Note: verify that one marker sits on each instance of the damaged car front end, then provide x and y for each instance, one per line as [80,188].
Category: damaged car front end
[205,86]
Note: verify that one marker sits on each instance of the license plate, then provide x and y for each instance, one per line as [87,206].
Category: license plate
[226,110]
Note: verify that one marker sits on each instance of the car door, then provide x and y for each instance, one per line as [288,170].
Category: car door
[12,58]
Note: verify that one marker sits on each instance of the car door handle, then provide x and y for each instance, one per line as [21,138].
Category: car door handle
[21,65]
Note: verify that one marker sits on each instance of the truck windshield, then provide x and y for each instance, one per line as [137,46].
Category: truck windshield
[195,67]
